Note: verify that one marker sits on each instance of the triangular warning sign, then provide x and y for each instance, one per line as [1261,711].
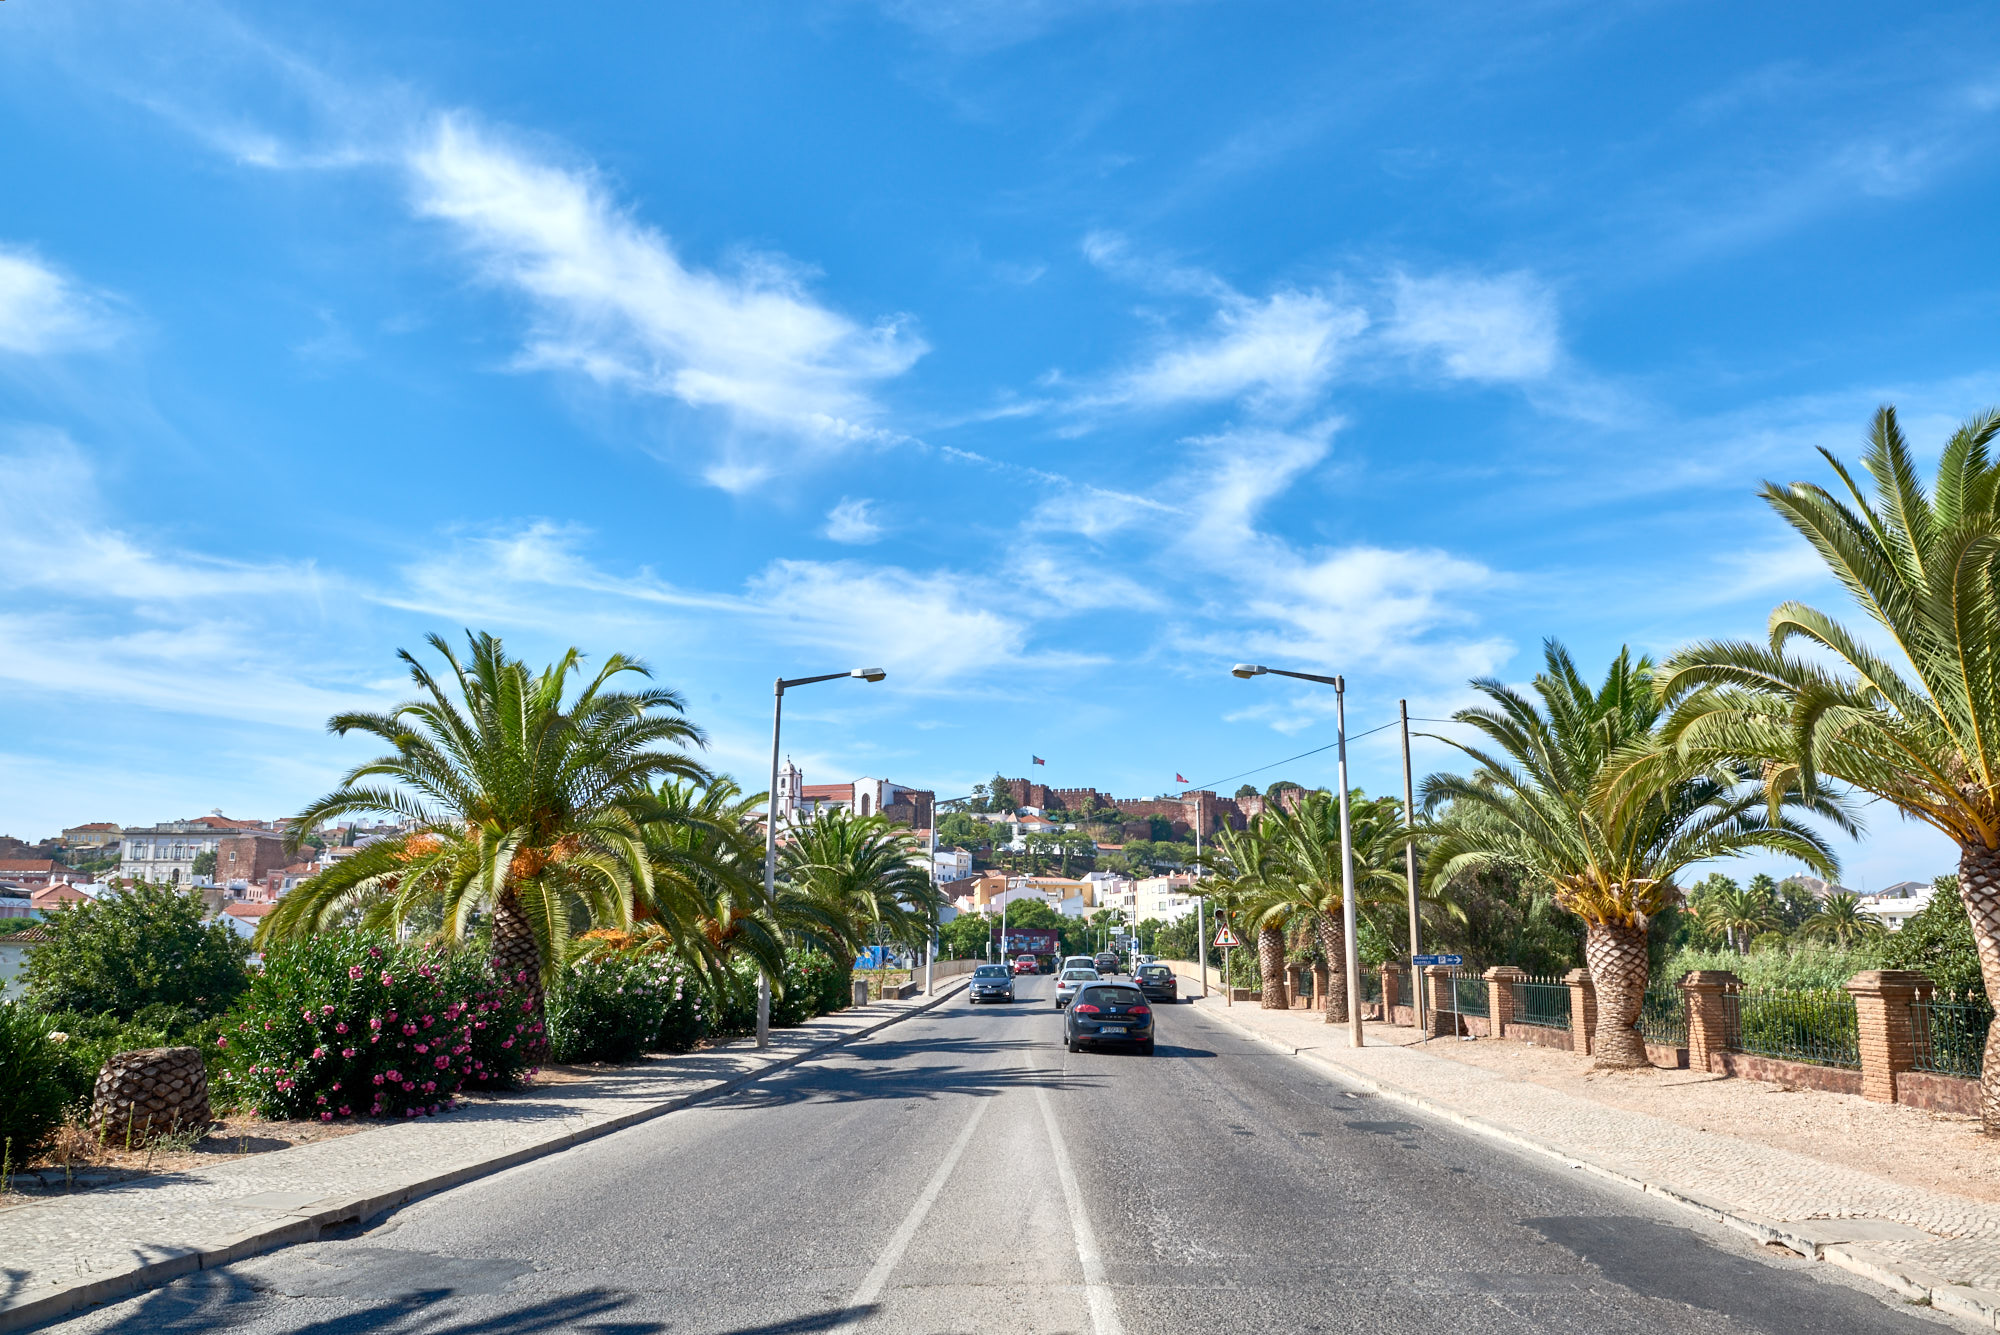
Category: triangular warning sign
[1225,937]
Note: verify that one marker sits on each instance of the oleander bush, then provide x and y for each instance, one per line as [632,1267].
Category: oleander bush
[815,984]
[31,1093]
[614,1005]
[351,1024]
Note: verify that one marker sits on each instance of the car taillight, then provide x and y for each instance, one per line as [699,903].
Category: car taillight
[1140,1010]
[1084,1008]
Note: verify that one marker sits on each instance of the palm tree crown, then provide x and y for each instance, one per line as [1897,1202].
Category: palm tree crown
[520,804]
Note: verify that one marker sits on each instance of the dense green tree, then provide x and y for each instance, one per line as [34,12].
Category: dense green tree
[1939,942]
[957,829]
[1246,790]
[149,945]
[204,864]
[1921,730]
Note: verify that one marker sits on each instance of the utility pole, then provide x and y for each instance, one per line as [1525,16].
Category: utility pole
[1201,940]
[1347,907]
[1410,872]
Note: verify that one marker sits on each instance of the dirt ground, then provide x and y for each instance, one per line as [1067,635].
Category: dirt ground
[76,1150]
[1935,1151]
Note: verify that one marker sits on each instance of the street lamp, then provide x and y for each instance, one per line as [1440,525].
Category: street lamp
[771,827]
[1347,916]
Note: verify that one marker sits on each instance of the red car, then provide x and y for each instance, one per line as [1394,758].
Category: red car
[1027,964]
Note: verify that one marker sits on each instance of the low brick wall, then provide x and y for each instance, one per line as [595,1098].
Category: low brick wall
[1538,1035]
[1476,1025]
[1790,1075]
[1672,1059]
[1938,1093]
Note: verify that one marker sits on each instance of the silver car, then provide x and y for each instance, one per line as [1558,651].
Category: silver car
[991,982]
[1071,981]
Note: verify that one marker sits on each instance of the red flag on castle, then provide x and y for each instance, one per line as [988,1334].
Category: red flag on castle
[1178,778]
[1038,760]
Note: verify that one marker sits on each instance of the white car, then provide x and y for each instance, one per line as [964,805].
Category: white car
[1070,981]
[1078,962]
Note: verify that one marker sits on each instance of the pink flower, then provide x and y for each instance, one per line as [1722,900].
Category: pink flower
[346,1111]
[409,1085]
[326,1009]
[423,1047]
[506,1042]
[222,1042]
[378,1079]
[374,1024]
[340,1028]
[395,1075]
[430,1086]
[318,1053]
[326,1117]
[354,973]
[434,1109]
[388,979]
[443,1062]
[374,952]
[347,1053]
[308,1012]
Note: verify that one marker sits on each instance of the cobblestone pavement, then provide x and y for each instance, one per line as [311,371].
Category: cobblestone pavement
[1928,1243]
[62,1253]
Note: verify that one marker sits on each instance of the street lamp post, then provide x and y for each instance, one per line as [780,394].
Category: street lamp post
[771,827]
[1347,911]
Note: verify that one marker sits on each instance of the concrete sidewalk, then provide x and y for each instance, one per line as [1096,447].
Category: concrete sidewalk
[1927,1245]
[61,1254]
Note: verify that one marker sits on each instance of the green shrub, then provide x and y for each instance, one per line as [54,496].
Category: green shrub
[350,1024]
[814,984]
[146,946]
[89,1040]
[1805,965]
[31,1094]
[614,1005]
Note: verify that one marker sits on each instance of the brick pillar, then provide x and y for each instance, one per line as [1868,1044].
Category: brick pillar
[1708,1029]
[1442,1020]
[1500,982]
[1582,1011]
[1392,991]
[1322,982]
[1887,1025]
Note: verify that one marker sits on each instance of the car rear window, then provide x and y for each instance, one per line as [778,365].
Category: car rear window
[1111,996]
[989,971]
[1155,971]
[1077,975]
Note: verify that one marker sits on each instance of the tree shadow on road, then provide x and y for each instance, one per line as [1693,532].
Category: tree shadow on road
[217,1299]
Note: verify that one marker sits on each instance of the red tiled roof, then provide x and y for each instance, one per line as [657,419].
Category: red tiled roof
[248,909]
[826,790]
[57,894]
[15,866]
[96,825]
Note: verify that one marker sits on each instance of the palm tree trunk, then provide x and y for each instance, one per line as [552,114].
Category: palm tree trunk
[1979,887]
[1271,963]
[1616,954]
[1333,945]
[517,959]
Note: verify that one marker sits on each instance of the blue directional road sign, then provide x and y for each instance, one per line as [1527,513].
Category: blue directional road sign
[1450,961]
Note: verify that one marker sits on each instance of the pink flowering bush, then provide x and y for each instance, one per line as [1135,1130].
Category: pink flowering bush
[350,1024]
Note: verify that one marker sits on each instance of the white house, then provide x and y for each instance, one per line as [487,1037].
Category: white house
[1895,905]
[1168,898]
[951,864]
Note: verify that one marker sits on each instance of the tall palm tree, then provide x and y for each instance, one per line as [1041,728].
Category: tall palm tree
[1841,920]
[521,806]
[1584,800]
[706,846]
[1919,728]
[1303,876]
[854,881]
[1240,887]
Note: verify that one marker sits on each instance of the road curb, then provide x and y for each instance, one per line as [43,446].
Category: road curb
[1979,1306]
[306,1223]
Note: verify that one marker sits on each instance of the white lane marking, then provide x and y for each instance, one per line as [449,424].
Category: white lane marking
[1096,1289]
[899,1241]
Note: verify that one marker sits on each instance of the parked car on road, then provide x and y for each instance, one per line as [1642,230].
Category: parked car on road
[991,982]
[1106,963]
[1109,1013]
[1027,964]
[1158,983]
[1070,981]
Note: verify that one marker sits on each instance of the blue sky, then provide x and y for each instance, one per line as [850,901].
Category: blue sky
[1052,356]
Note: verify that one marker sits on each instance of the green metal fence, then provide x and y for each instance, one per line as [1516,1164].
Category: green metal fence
[1663,1016]
[1467,998]
[1817,1027]
[1951,1035]
[1543,1002]
[1371,985]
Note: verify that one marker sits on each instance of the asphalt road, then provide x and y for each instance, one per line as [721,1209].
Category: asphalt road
[963,1172]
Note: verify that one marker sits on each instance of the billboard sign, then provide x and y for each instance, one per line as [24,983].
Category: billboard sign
[1030,941]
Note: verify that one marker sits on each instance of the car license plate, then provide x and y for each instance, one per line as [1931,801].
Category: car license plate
[1112,1024]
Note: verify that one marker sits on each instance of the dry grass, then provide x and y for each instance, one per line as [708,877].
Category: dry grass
[77,1150]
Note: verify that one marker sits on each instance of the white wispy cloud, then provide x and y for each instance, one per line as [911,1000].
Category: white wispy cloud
[43,310]
[612,300]
[853,521]
[1279,352]
[1501,327]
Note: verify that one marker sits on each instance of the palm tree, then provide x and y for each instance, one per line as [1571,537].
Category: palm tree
[1304,875]
[1841,920]
[706,846]
[854,881]
[1920,730]
[1741,914]
[1240,887]
[1583,799]
[520,806]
